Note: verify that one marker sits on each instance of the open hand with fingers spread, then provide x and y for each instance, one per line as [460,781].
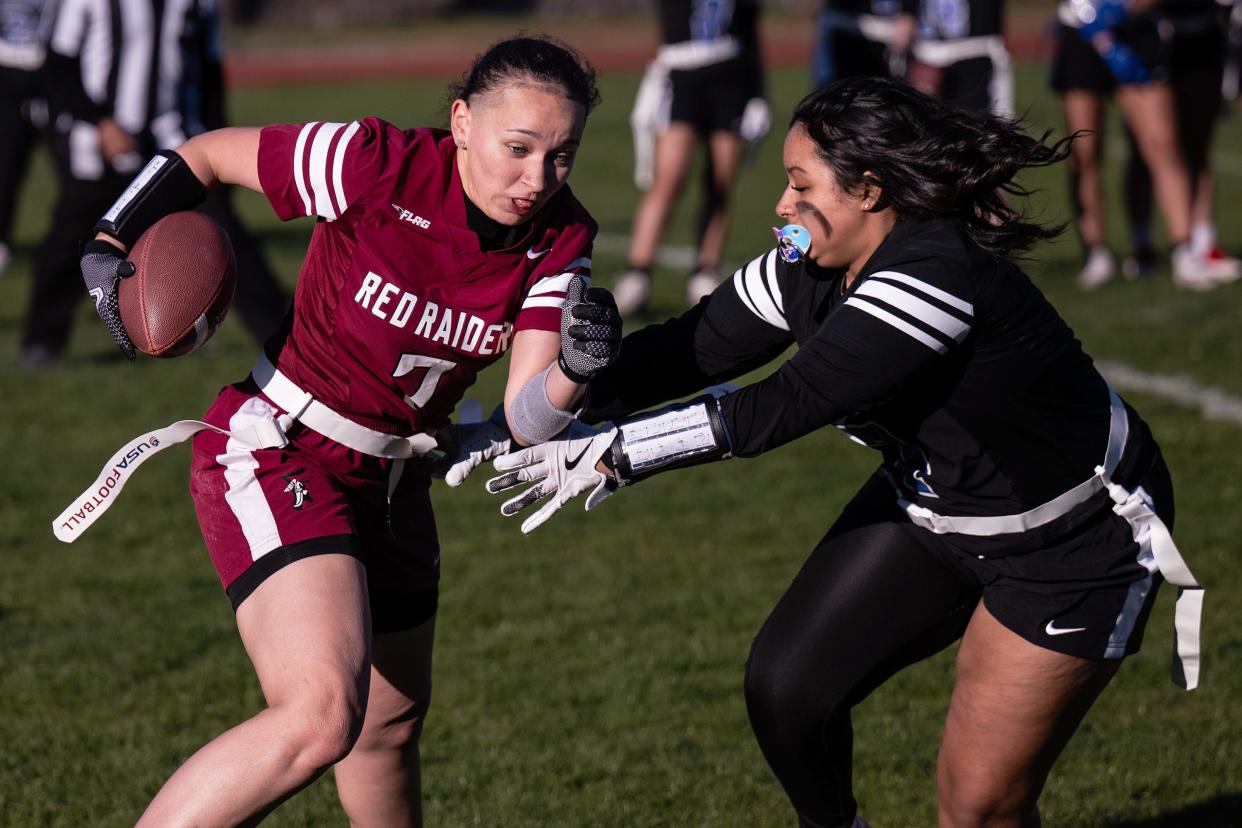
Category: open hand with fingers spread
[561,469]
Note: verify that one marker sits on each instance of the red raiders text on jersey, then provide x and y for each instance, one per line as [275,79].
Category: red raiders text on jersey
[397,308]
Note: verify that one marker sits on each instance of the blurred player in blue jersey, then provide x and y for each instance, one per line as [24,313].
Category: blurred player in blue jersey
[1111,48]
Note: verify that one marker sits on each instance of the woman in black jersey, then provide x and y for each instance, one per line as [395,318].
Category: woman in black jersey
[1020,505]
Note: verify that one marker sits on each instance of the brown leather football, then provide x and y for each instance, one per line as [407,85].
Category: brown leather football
[183,283]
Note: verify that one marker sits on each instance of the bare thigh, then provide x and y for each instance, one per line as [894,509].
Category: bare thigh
[1014,707]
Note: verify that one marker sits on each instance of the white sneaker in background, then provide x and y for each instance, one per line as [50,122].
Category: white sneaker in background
[1190,271]
[1099,268]
[1221,267]
[631,291]
[699,285]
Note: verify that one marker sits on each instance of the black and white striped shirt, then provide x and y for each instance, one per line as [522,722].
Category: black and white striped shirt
[126,60]
[948,361]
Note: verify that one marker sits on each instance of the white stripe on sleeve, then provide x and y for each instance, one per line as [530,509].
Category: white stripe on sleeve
[338,163]
[543,302]
[898,323]
[299,155]
[769,270]
[935,292]
[549,284]
[752,287]
[924,311]
[319,170]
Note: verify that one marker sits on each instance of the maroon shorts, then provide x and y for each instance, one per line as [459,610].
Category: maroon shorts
[262,510]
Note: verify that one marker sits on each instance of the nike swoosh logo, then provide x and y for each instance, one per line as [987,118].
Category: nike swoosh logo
[570,464]
[1051,630]
[532,253]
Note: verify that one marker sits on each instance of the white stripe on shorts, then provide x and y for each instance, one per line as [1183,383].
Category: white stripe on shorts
[245,496]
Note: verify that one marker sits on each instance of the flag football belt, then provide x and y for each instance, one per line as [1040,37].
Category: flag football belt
[266,433]
[1136,507]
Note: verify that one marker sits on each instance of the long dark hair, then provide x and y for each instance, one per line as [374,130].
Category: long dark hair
[542,60]
[929,159]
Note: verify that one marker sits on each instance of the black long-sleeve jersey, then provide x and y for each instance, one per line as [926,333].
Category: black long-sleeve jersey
[948,361]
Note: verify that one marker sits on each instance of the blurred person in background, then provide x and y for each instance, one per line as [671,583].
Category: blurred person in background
[861,38]
[959,54]
[124,81]
[23,109]
[1020,504]
[201,100]
[1110,48]
[705,87]
[1196,68]
[434,253]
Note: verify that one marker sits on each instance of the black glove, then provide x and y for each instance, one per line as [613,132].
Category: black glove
[590,331]
[103,267]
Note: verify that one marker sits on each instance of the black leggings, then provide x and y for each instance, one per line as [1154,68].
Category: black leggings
[869,601]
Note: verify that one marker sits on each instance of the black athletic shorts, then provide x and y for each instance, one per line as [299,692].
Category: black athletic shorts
[1077,65]
[714,97]
[1086,592]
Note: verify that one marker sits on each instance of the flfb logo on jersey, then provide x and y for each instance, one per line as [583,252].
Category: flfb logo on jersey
[298,489]
[407,215]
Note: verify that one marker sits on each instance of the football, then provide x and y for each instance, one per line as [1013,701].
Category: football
[183,283]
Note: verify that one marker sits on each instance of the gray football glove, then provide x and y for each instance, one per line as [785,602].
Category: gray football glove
[561,469]
[590,330]
[467,444]
[103,267]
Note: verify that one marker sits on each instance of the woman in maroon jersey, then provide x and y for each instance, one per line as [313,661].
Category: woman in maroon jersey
[434,252]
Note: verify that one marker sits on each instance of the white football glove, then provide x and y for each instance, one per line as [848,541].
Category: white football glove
[561,469]
[465,445]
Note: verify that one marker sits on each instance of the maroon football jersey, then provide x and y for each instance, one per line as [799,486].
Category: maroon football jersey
[397,308]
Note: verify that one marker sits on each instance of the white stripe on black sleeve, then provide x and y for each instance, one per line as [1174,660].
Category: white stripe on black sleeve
[947,324]
[756,286]
[931,316]
[931,290]
[898,323]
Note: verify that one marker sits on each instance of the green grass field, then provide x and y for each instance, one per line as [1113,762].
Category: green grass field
[589,674]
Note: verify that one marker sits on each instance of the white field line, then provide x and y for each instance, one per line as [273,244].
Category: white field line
[669,256]
[1211,403]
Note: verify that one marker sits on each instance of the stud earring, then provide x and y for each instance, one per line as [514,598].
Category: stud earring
[461,144]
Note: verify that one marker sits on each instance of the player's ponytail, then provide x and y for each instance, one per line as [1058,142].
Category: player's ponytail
[930,159]
[542,60]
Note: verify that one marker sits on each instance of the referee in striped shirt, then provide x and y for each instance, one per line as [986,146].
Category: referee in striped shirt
[125,79]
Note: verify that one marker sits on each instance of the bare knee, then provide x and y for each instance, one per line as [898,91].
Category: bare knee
[323,726]
[967,801]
